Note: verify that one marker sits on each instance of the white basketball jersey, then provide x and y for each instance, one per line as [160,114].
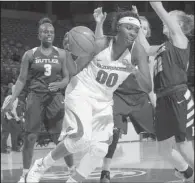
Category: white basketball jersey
[103,76]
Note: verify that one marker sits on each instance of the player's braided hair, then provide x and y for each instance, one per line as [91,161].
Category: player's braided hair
[187,21]
[45,20]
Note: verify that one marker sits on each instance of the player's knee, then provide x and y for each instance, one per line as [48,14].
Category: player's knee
[74,146]
[99,149]
[30,139]
[164,151]
[116,135]
[55,138]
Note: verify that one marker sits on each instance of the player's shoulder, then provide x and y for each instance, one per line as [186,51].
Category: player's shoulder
[60,51]
[102,43]
[29,53]
[137,48]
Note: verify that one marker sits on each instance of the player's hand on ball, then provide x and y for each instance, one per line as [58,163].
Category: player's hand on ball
[55,86]
[99,16]
[66,42]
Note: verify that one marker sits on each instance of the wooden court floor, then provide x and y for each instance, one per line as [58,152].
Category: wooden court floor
[133,162]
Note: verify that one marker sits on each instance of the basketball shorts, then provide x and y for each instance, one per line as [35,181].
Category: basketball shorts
[44,108]
[175,116]
[95,117]
[141,115]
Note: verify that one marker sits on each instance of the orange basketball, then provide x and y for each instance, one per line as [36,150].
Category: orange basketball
[81,41]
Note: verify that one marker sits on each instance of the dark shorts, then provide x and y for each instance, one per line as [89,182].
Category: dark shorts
[44,108]
[141,115]
[175,116]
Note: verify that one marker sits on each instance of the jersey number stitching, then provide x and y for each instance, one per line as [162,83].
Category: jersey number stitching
[48,68]
[103,77]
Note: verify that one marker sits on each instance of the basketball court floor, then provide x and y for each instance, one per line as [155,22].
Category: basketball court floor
[134,161]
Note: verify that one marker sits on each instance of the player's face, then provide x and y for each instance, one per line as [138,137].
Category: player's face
[144,27]
[128,32]
[46,33]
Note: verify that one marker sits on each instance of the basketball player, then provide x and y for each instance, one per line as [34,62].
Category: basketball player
[129,101]
[174,124]
[89,103]
[122,101]
[45,69]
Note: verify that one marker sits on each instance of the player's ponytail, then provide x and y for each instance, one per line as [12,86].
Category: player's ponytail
[187,21]
[189,24]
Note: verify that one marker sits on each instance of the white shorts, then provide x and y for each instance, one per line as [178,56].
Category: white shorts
[95,116]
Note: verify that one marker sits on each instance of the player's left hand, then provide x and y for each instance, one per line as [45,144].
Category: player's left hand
[55,86]
[134,8]
[99,16]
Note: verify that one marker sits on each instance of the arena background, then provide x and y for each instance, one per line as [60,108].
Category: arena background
[19,28]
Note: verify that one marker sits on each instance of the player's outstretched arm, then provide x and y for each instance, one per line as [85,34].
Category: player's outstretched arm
[21,81]
[99,17]
[150,50]
[176,33]
[100,39]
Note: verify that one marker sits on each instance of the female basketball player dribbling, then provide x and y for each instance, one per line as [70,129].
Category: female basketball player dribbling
[89,103]
[129,100]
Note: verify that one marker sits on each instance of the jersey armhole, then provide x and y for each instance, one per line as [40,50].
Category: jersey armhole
[31,56]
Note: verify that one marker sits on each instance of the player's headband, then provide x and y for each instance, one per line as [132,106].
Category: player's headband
[129,20]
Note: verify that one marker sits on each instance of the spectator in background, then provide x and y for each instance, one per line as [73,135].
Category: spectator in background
[10,125]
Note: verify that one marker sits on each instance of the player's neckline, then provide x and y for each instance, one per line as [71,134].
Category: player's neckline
[42,52]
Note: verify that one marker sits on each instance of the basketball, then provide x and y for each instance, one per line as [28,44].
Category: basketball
[81,41]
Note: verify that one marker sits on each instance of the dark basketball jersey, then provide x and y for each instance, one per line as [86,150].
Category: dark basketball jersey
[44,70]
[130,91]
[170,67]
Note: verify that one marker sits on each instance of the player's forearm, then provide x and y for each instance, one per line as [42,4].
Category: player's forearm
[65,81]
[18,88]
[153,50]
[144,81]
[99,30]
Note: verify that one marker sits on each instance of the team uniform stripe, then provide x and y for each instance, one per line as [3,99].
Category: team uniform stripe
[187,95]
[190,123]
[190,114]
[190,104]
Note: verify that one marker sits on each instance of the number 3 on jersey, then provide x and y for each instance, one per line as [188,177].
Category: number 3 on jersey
[103,77]
[48,68]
